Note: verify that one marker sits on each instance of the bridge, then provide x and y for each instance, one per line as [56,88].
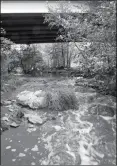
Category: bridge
[23,22]
[27,28]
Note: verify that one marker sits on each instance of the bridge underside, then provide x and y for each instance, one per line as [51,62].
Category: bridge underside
[25,28]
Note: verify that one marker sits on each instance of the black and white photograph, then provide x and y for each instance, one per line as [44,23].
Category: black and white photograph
[58,82]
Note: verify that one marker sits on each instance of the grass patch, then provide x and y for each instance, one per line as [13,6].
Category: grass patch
[61,99]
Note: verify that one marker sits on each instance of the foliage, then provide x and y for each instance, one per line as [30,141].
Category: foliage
[84,26]
[60,54]
[61,99]
[5,52]
[31,59]
[98,57]
[98,28]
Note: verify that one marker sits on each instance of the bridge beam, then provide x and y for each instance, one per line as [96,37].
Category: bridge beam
[23,28]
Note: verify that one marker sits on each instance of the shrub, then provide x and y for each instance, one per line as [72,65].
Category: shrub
[61,99]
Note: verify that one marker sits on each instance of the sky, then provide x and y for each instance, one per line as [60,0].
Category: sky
[31,6]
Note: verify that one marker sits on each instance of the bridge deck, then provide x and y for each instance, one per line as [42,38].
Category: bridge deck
[27,28]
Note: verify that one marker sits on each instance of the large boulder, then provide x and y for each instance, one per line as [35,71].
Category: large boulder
[34,100]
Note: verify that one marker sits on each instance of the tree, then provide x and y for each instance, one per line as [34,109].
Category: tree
[31,59]
[60,54]
[98,28]
[5,54]
[84,26]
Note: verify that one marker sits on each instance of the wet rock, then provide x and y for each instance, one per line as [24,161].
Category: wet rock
[84,89]
[13,101]
[4,126]
[59,114]
[79,79]
[53,118]
[35,149]
[32,99]
[8,147]
[109,100]
[13,150]
[11,110]
[99,109]
[6,102]
[30,125]
[90,97]
[5,118]
[20,114]
[34,119]
[31,129]
[33,163]
[15,125]
[57,127]
[80,89]
[22,155]
[62,158]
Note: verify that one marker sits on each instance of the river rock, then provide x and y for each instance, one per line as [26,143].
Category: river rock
[100,109]
[6,102]
[13,124]
[4,126]
[30,126]
[32,99]
[20,114]
[5,118]
[11,110]
[62,158]
[34,119]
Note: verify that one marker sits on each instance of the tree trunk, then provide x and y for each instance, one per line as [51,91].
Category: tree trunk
[67,55]
[63,56]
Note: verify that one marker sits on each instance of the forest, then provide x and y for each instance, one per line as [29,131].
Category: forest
[64,91]
[89,45]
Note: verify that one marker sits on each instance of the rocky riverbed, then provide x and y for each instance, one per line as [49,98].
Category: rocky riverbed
[35,136]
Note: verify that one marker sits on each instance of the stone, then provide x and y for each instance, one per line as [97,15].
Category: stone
[34,100]
[38,93]
[91,97]
[34,119]
[59,114]
[31,129]
[6,102]
[78,79]
[53,118]
[22,155]
[57,127]
[103,110]
[13,101]
[14,125]
[35,149]
[33,163]
[4,126]
[30,125]
[13,150]
[62,158]
[20,114]
[8,147]
[11,110]
[5,118]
